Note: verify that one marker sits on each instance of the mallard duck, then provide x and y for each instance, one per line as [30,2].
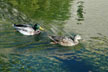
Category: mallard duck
[26,29]
[65,41]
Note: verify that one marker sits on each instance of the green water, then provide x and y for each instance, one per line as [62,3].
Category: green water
[19,53]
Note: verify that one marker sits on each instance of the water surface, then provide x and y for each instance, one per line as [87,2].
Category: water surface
[35,53]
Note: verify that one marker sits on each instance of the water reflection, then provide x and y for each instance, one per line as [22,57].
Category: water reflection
[80,11]
[30,63]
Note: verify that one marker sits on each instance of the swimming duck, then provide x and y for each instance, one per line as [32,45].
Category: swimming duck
[26,29]
[65,41]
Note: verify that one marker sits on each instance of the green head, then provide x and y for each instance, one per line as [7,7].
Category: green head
[37,27]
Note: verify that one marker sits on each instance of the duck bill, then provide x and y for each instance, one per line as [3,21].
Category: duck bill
[41,28]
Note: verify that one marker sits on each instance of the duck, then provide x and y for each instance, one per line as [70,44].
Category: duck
[64,40]
[27,29]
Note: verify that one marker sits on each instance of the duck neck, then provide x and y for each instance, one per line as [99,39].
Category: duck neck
[76,41]
[37,32]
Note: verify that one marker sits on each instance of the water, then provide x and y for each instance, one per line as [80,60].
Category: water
[35,53]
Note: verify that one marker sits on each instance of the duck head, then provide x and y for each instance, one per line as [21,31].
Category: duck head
[78,37]
[37,27]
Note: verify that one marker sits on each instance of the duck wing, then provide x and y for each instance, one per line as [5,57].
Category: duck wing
[21,25]
[56,38]
[72,38]
[24,29]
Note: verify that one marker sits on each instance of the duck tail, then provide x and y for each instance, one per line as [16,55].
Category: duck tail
[49,36]
[13,25]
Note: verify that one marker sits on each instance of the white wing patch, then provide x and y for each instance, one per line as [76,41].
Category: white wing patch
[25,31]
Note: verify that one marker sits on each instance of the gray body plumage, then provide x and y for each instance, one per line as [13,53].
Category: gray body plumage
[65,41]
[26,29]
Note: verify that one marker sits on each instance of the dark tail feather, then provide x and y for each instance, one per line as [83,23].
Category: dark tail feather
[54,38]
[19,25]
[50,37]
[13,25]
